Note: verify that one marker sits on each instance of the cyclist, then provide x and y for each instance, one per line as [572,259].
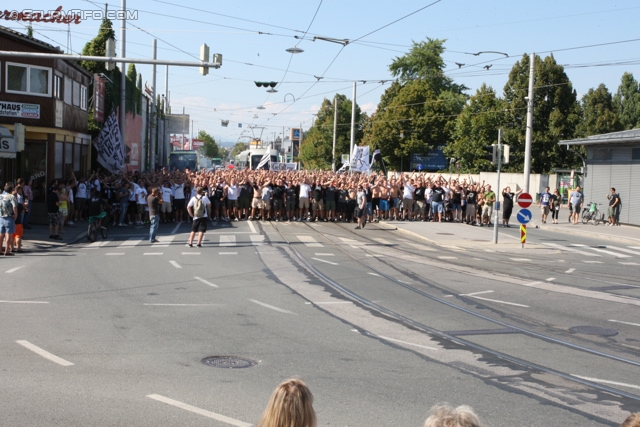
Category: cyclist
[97,207]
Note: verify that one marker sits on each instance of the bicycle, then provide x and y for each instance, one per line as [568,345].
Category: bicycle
[92,231]
[592,213]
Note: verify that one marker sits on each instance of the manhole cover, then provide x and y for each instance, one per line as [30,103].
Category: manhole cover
[230,362]
[445,234]
[593,330]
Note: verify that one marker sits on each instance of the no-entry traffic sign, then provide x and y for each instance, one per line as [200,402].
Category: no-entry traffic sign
[525,200]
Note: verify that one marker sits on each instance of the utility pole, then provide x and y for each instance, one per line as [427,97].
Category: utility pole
[154,113]
[123,77]
[529,133]
[497,191]
[353,121]
[335,132]
[165,133]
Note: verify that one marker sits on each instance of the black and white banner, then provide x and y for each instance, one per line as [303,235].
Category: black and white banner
[109,146]
[360,159]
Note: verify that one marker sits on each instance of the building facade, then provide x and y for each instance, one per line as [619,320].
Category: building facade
[50,97]
[613,160]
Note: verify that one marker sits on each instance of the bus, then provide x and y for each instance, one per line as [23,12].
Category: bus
[183,159]
[216,163]
[251,158]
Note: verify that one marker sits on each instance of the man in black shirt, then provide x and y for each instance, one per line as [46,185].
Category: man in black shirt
[290,200]
[437,201]
[53,211]
[418,196]
[317,193]
[330,193]
[278,199]
[472,198]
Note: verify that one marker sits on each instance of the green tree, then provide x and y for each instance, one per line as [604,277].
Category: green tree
[416,113]
[317,144]
[210,148]
[556,114]
[97,47]
[598,115]
[476,129]
[627,102]
[238,148]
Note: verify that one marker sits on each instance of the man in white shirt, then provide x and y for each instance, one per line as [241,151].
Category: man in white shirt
[167,199]
[141,200]
[178,199]
[198,208]
[305,189]
[407,199]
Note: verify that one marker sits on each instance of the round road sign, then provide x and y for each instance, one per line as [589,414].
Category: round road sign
[525,200]
[524,216]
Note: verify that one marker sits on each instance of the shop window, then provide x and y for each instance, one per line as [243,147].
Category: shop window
[635,153]
[28,79]
[34,167]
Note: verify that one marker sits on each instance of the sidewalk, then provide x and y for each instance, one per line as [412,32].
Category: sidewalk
[38,236]
[462,236]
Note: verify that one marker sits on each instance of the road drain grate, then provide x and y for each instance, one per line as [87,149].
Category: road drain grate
[593,330]
[484,332]
[229,362]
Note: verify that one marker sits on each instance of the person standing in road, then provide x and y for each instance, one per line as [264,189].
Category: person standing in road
[575,200]
[544,205]
[53,211]
[555,203]
[8,215]
[614,207]
[361,210]
[154,201]
[198,208]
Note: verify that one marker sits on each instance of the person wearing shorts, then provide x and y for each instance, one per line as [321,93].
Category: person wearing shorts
[199,224]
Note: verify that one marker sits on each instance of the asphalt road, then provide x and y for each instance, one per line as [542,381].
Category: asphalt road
[380,323]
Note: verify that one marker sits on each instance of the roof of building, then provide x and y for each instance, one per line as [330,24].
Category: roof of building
[623,137]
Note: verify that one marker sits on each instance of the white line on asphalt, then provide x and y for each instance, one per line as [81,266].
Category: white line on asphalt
[175,264]
[329,302]
[571,270]
[448,257]
[130,242]
[520,259]
[374,274]
[23,302]
[407,343]
[44,353]
[625,323]
[591,262]
[114,253]
[550,279]
[309,241]
[191,253]
[623,250]
[281,310]
[175,229]
[323,254]
[152,253]
[615,254]
[227,240]
[597,380]
[577,245]
[633,247]
[257,240]
[195,410]
[184,305]
[164,241]
[382,241]
[421,247]
[325,261]
[227,253]
[568,249]
[501,302]
[205,282]
[628,263]
[475,293]
[252,227]
[14,269]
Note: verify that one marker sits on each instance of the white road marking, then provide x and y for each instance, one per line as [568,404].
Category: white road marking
[175,229]
[195,410]
[325,261]
[615,254]
[475,293]
[616,248]
[184,305]
[625,323]
[227,253]
[191,253]
[374,274]
[257,239]
[152,253]
[568,249]
[577,245]
[44,353]
[130,242]
[597,380]
[550,279]
[633,247]
[309,241]
[448,257]
[114,253]
[329,302]
[383,241]
[421,247]
[252,227]
[14,269]
[164,241]
[97,244]
[23,302]
[408,343]
[227,240]
[206,282]
[571,270]
[281,310]
[323,254]
[592,262]
[501,302]
[520,259]
[628,263]
[603,296]
[175,264]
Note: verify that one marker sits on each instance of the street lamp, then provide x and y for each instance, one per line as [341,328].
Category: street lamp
[294,50]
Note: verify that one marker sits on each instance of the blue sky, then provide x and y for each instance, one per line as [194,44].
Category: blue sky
[253,37]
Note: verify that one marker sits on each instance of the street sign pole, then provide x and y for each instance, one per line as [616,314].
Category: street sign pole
[523,234]
[497,191]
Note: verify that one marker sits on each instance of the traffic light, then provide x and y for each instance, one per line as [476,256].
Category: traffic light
[266,84]
[204,57]
[492,154]
[110,52]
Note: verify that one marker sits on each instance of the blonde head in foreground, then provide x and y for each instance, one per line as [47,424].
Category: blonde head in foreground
[446,416]
[290,405]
